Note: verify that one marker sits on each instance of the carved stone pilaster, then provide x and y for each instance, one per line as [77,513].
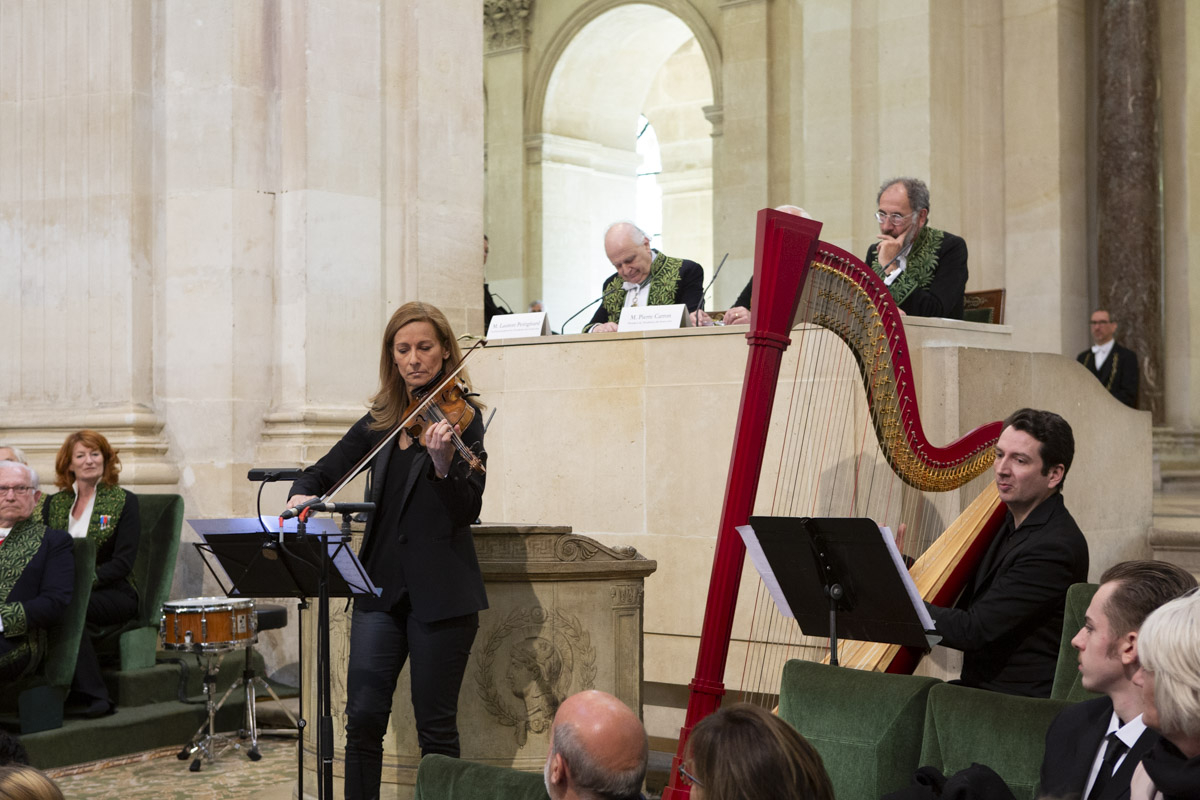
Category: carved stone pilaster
[506,25]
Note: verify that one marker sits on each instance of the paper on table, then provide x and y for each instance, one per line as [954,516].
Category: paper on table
[917,601]
[759,558]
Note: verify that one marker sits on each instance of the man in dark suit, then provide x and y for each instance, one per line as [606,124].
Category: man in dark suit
[1080,762]
[1116,367]
[37,571]
[644,277]
[1008,621]
[924,268]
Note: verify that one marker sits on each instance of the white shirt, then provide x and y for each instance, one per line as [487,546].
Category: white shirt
[1100,352]
[79,527]
[1127,733]
[901,263]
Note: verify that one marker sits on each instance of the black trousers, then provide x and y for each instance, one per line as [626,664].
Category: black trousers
[106,606]
[380,643]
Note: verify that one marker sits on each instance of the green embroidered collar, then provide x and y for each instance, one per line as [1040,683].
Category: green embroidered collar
[106,512]
[664,278]
[919,266]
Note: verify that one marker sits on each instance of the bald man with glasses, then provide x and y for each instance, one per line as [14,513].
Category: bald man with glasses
[37,570]
[924,268]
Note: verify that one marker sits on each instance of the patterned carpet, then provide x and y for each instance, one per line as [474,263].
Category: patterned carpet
[160,775]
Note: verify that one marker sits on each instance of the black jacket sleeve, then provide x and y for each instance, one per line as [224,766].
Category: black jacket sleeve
[1125,387]
[321,476]
[125,544]
[461,491]
[944,295]
[743,299]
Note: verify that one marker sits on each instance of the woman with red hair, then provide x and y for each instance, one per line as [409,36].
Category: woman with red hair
[91,505]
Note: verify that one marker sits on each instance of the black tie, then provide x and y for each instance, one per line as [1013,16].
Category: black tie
[1112,751]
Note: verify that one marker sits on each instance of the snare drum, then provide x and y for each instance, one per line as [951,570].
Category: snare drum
[208,624]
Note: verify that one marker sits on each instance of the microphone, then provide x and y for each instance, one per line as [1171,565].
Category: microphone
[714,280]
[317,504]
[618,288]
[272,474]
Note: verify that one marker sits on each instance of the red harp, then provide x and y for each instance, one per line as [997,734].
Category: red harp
[798,278]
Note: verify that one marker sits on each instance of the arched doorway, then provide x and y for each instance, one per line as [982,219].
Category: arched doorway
[631,60]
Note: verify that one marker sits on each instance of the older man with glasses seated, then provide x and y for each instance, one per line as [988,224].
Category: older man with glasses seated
[36,573]
[924,268]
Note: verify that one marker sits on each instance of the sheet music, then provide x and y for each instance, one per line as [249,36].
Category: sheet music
[759,558]
[909,586]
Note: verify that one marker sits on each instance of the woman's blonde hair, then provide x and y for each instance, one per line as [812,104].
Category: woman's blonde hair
[1167,645]
[392,397]
[19,782]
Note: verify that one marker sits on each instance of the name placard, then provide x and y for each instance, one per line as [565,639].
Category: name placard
[517,326]
[654,318]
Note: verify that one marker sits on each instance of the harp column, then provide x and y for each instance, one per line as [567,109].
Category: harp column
[1129,219]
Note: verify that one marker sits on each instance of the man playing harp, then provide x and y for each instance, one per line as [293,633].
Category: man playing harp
[1008,620]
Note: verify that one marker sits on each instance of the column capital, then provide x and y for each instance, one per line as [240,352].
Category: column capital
[506,26]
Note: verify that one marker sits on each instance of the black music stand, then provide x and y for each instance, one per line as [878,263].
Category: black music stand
[838,576]
[301,559]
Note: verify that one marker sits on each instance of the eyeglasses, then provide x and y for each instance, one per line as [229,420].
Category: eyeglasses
[19,491]
[1101,322]
[895,219]
[689,778]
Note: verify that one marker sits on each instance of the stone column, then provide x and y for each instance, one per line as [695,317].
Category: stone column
[509,272]
[1129,254]
[76,230]
[741,170]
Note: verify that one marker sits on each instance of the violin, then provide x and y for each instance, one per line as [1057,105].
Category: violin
[446,399]
[449,405]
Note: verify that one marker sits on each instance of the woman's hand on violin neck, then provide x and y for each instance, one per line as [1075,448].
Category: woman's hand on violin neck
[297,499]
[439,443]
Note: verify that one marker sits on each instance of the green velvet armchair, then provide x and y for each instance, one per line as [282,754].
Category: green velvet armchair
[443,778]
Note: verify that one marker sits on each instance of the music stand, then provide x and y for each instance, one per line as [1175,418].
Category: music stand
[303,559]
[839,576]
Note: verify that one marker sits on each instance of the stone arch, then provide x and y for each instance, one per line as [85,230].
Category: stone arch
[602,66]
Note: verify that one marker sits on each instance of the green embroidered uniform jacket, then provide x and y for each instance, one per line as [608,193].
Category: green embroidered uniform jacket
[115,527]
[672,280]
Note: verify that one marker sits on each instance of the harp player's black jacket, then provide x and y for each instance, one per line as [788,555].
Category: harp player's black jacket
[1008,622]
[430,555]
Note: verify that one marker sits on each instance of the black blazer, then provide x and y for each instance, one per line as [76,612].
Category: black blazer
[689,290]
[437,560]
[943,297]
[1008,622]
[1125,382]
[114,559]
[1074,738]
[43,589]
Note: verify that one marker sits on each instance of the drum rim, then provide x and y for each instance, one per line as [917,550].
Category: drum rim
[189,604]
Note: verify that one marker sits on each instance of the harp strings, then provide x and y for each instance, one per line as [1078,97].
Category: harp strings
[830,464]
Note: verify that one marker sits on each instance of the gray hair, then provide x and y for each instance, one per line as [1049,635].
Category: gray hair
[30,472]
[915,188]
[18,453]
[593,780]
[636,234]
[1169,646]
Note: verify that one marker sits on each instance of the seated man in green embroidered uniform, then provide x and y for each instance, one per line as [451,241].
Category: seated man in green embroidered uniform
[924,268]
[644,277]
[37,570]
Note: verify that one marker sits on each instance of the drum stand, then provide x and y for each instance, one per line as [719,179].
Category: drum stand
[208,745]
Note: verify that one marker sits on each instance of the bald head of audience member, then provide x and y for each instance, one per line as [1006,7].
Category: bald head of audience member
[598,750]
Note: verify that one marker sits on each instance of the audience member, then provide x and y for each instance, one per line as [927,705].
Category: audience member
[744,752]
[1008,620]
[10,452]
[20,782]
[1077,762]
[535,306]
[646,276]
[598,750]
[1116,367]
[1169,649]
[38,569]
[490,307]
[91,505]
[739,312]
[924,268]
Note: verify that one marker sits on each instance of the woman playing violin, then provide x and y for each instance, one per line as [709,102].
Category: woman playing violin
[417,547]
